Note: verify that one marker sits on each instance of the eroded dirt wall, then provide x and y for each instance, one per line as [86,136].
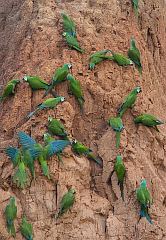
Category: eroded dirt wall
[31,43]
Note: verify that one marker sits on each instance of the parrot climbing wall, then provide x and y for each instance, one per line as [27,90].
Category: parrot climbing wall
[31,43]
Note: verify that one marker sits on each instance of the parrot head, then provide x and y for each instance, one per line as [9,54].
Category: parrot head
[138,89]
[119,158]
[73,191]
[12,200]
[64,34]
[143,183]
[62,99]
[74,141]
[49,119]
[25,78]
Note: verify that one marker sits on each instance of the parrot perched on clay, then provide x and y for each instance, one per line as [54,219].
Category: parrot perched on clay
[14,154]
[10,215]
[72,42]
[148,120]
[81,149]
[134,55]
[120,170]
[58,77]
[36,82]
[144,199]
[68,25]
[49,103]
[55,127]
[129,101]
[98,57]
[117,125]
[135,6]
[26,229]
[20,177]
[66,202]
[120,59]
[9,89]
[76,90]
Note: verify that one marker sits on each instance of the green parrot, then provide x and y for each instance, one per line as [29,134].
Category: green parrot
[26,229]
[66,202]
[134,55]
[58,77]
[120,170]
[10,215]
[29,161]
[20,177]
[55,127]
[68,25]
[117,125]
[72,42]
[148,120]
[145,200]
[48,138]
[9,89]
[120,59]
[135,6]
[43,162]
[36,82]
[129,101]
[48,103]
[81,149]
[98,57]
[75,89]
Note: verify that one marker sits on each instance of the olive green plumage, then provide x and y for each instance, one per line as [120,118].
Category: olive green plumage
[81,149]
[10,215]
[76,90]
[98,57]
[36,82]
[66,202]
[68,25]
[55,127]
[117,125]
[20,177]
[134,55]
[72,42]
[145,200]
[26,229]
[148,120]
[58,77]
[48,103]
[129,101]
[135,6]
[120,170]
[120,59]
[9,89]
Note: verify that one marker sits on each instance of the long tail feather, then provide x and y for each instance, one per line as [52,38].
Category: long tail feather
[121,190]
[144,213]
[11,228]
[118,139]
[95,159]
[48,91]
[32,113]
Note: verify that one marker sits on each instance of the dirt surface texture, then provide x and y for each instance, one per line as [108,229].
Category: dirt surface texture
[31,43]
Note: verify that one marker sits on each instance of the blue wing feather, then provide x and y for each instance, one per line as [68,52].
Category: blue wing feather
[56,146]
[25,140]
[35,152]
[12,153]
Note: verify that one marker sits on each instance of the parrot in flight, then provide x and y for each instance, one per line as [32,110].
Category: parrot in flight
[148,120]
[129,101]
[48,103]
[76,90]
[120,170]
[36,82]
[72,42]
[144,199]
[81,149]
[134,55]
[98,57]
[135,6]
[58,77]
[10,215]
[26,229]
[120,59]
[9,89]
[66,202]
[55,127]
[68,25]
[117,125]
